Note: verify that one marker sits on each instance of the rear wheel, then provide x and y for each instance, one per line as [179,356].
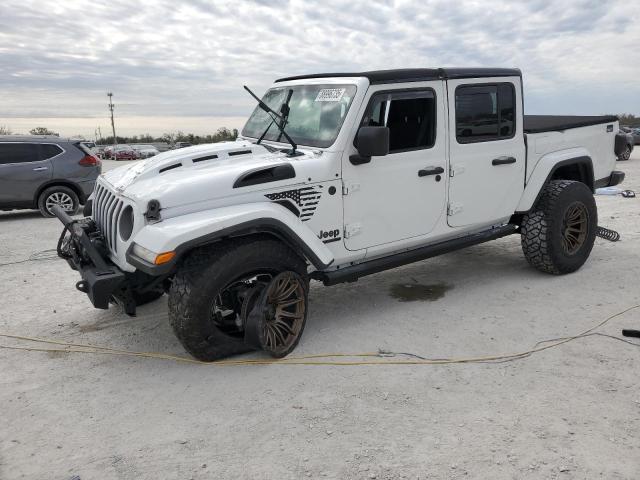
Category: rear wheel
[60,196]
[558,234]
[219,289]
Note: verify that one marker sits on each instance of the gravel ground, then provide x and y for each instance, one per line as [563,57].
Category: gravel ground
[570,412]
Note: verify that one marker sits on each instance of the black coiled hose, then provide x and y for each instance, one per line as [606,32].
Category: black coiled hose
[607,234]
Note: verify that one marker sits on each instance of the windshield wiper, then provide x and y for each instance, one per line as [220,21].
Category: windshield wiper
[284,110]
[275,117]
[284,113]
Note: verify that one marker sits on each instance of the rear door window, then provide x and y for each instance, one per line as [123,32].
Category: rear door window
[18,153]
[48,151]
[485,112]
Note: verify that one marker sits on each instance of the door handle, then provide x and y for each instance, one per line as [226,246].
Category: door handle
[39,169]
[430,171]
[503,161]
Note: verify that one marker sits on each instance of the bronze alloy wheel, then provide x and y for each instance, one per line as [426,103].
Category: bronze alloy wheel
[285,311]
[574,227]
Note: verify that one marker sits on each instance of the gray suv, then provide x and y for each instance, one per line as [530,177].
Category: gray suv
[43,171]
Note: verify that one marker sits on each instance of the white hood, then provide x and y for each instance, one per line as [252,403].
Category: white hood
[200,173]
[183,158]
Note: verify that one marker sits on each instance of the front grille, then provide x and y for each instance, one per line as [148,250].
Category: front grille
[106,212]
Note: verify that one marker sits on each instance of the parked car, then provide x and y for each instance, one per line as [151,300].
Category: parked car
[181,145]
[234,231]
[107,152]
[145,151]
[628,143]
[125,152]
[636,136]
[89,145]
[43,171]
[98,151]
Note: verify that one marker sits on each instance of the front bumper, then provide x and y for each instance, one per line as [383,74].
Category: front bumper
[101,279]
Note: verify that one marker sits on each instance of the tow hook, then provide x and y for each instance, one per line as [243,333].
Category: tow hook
[82,286]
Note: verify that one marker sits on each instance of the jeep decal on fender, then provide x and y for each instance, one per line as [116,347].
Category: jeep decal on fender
[329,235]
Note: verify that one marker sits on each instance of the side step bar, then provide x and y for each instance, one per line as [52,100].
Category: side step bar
[351,274]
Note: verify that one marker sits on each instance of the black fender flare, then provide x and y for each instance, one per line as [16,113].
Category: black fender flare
[268,226]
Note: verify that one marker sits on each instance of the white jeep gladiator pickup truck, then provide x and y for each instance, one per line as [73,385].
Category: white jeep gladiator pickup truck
[334,177]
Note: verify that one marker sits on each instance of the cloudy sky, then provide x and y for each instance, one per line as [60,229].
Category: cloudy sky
[180,65]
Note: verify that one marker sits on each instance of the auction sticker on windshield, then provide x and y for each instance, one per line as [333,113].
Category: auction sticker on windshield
[330,94]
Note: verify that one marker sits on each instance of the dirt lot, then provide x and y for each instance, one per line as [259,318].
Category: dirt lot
[571,412]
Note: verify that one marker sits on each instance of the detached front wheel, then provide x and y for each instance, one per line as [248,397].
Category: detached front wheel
[233,297]
[558,234]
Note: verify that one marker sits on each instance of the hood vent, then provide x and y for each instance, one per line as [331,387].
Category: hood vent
[170,167]
[265,175]
[239,152]
[202,159]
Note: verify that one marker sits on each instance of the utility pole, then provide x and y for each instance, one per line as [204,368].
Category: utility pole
[113,127]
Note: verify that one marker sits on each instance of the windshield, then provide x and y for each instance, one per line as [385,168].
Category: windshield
[315,116]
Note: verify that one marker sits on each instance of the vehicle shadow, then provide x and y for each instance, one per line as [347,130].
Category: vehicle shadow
[19,215]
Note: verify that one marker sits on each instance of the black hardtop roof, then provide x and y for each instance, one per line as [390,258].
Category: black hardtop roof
[417,74]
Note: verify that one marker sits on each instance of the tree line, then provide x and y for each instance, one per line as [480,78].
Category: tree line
[220,135]
[629,120]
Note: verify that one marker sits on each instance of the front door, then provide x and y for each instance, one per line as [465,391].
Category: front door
[400,195]
[487,152]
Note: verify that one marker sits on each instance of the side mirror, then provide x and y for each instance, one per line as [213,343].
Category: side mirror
[371,142]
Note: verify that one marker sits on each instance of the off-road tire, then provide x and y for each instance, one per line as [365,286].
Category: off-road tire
[625,155]
[542,228]
[63,192]
[205,272]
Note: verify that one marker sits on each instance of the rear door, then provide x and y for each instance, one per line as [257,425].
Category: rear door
[402,194]
[487,151]
[24,167]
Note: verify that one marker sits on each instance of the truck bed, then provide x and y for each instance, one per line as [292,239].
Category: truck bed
[582,136]
[556,123]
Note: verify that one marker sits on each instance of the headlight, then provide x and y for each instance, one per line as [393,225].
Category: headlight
[143,253]
[151,257]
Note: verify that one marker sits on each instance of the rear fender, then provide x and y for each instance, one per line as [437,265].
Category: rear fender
[182,234]
[550,164]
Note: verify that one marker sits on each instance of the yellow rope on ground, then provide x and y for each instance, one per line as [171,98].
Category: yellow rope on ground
[299,360]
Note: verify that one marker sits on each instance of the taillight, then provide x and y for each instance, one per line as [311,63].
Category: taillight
[90,161]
